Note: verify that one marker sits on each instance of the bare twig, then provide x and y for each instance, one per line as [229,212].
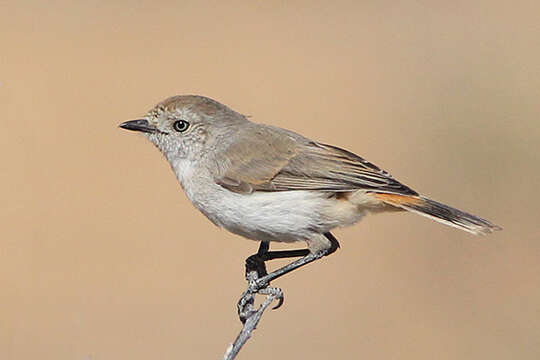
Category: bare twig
[250,316]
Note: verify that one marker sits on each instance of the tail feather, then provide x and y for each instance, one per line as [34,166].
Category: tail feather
[440,212]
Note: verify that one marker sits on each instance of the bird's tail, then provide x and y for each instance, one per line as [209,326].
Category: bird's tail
[440,212]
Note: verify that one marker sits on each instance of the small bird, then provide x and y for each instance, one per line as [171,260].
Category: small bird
[270,184]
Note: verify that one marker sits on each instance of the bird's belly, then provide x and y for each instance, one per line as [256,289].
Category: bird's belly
[278,216]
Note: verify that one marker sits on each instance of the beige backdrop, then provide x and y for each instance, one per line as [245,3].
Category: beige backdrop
[102,256]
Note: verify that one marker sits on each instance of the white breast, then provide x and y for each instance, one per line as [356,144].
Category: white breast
[268,216]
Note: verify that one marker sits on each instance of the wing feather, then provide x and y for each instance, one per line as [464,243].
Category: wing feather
[272,160]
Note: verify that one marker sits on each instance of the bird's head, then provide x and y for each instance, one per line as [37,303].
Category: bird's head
[188,126]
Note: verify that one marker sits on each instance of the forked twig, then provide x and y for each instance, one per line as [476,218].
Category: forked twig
[250,316]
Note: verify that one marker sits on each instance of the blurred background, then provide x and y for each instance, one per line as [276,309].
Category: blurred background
[103,257]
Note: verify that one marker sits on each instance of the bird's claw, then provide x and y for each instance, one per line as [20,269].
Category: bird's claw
[276,292]
[245,304]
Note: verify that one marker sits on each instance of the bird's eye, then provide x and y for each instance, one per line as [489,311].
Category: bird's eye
[180,125]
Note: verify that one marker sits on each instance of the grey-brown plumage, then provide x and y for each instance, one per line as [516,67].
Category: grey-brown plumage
[270,159]
[224,153]
[270,184]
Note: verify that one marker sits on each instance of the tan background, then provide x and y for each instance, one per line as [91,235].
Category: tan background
[102,256]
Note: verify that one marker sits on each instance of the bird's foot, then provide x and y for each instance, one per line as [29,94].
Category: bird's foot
[245,304]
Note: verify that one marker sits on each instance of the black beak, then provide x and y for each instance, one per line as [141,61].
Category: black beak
[139,125]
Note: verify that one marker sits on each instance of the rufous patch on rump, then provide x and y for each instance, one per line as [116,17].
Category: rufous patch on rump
[399,199]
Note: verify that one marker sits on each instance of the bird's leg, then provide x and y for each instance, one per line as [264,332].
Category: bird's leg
[256,261]
[255,268]
[259,279]
[308,257]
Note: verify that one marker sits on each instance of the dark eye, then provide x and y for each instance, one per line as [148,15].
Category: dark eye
[180,125]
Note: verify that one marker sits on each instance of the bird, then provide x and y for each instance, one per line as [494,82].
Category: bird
[270,184]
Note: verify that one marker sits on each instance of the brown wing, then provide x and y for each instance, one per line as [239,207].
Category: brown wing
[255,157]
[274,161]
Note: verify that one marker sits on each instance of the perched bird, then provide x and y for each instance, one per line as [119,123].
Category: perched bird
[270,184]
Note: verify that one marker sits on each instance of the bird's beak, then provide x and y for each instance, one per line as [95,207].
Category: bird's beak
[141,125]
